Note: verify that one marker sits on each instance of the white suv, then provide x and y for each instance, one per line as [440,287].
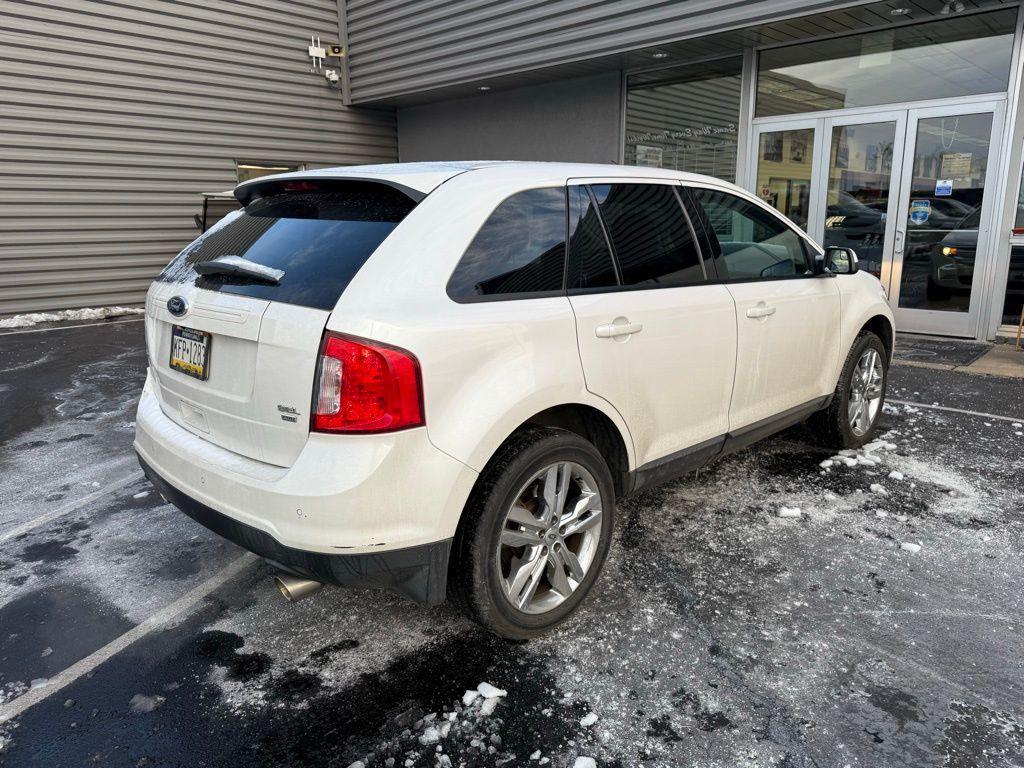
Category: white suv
[439,378]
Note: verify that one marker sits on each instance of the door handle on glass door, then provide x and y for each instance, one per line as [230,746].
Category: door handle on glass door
[761,310]
[621,327]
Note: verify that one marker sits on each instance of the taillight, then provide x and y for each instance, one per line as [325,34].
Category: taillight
[364,386]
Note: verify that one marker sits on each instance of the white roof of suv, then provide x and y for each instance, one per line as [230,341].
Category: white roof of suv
[423,178]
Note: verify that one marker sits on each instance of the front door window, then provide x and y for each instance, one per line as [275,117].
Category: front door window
[943,211]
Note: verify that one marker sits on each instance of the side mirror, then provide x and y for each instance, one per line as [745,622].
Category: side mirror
[841,261]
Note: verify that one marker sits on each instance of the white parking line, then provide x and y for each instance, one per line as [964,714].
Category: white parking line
[1014,419]
[93,660]
[69,507]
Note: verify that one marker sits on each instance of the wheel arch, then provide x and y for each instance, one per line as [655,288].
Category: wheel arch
[882,327]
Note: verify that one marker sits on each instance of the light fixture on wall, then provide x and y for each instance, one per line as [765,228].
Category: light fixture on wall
[953,6]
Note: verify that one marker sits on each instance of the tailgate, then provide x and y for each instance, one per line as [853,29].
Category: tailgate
[252,368]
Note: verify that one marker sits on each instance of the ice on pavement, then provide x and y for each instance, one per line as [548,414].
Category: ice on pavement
[588,719]
[141,703]
[489,691]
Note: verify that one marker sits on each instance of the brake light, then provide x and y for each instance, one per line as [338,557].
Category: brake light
[365,386]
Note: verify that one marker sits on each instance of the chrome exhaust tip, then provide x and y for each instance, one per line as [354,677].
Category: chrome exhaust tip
[294,588]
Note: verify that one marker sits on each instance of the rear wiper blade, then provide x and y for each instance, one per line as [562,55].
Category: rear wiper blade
[236,266]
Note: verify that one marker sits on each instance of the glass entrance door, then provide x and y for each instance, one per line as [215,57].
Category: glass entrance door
[861,180]
[943,218]
[906,189]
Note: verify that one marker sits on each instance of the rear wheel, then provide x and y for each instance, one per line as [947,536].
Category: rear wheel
[851,420]
[535,534]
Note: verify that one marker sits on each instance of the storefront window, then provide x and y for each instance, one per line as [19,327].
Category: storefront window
[960,56]
[685,118]
[785,164]
[1014,303]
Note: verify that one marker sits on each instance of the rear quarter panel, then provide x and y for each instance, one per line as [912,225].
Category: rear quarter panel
[487,366]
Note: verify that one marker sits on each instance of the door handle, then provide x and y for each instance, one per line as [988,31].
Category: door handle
[617,329]
[761,310]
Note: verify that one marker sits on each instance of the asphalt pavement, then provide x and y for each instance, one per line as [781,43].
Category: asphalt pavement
[877,623]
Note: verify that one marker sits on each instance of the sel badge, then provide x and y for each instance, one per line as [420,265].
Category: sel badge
[920,210]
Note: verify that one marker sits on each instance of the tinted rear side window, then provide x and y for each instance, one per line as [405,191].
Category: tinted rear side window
[519,251]
[653,243]
[590,261]
[319,237]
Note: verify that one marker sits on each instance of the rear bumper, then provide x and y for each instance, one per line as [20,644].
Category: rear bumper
[419,573]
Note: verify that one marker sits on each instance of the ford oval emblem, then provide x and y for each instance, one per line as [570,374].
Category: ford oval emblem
[177,306]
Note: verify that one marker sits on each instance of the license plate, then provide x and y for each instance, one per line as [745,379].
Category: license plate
[190,352]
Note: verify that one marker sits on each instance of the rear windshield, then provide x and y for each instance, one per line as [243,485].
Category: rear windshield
[318,234]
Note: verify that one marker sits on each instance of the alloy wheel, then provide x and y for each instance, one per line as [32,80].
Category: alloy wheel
[549,537]
[865,392]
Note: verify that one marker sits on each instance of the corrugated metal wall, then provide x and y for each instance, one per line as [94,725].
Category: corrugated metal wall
[114,116]
[405,46]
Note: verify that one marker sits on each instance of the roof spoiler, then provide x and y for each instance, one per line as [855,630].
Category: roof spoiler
[254,189]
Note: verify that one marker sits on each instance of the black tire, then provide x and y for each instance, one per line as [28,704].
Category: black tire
[474,578]
[831,426]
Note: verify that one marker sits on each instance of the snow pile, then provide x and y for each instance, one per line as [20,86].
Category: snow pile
[90,313]
[911,547]
[790,512]
[468,729]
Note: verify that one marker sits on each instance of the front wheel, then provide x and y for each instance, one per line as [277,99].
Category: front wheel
[851,419]
[535,534]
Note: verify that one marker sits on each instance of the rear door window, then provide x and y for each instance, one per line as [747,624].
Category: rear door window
[319,235]
[519,252]
[650,235]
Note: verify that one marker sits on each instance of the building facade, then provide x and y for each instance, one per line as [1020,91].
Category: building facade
[115,117]
[891,127]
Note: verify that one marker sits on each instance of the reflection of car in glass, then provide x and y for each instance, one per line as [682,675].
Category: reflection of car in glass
[851,223]
[952,259]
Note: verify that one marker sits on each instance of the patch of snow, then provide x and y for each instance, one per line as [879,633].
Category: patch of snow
[46,652]
[489,705]
[38,682]
[1017,425]
[588,719]
[585,762]
[895,475]
[535,756]
[358,764]
[489,691]
[141,704]
[790,512]
[826,463]
[430,736]
[141,495]
[881,513]
[911,547]
[469,697]
[91,313]
[879,489]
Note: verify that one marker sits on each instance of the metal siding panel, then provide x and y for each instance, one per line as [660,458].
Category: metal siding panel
[400,47]
[114,116]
